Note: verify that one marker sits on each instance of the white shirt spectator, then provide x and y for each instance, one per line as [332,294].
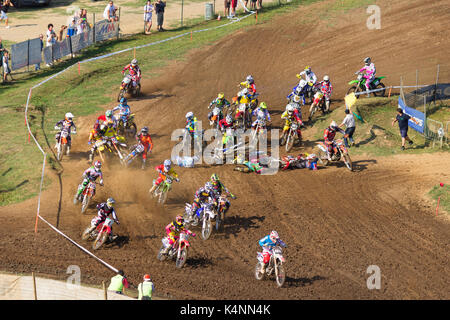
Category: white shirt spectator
[109,10]
[349,121]
[148,11]
[51,37]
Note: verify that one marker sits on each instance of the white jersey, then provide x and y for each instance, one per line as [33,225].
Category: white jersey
[311,77]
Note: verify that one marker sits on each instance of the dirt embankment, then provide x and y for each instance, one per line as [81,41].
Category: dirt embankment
[336,223]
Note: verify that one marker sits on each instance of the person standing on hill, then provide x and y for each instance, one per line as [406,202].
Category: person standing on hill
[349,122]
[148,12]
[146,288]
[3,10]
[159,8]
[403,119]
[118,282]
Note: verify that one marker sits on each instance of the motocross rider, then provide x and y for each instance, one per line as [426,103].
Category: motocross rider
[164,170]
[67,124]
[369,72]
[249,83]
[301,161]
[202,195]
[328,136]
[104,210]
[250,166]
[264,113]
[134,71]
[144,138]
[268,243]
[299,92]
[103,119]
[91,173]
[218,188]
[290,115]
[310,77]
[220,103]
[224,124]
[173,230]
[123,108]
[327,89]
[191,123]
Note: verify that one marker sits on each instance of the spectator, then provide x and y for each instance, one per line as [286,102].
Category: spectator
[160,5]
[1,49]
[148,12]
[233,8]
[61,33]
[253,5]
[5,63]
[118,282]
[72,29]
[349,122]
[402,119]
[51,35]
[227,8]
[3,10]
[146,288]
[37,66]
[110,12]
[259,4]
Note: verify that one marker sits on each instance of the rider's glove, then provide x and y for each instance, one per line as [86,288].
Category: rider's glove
[233,196]
[117,221]
[101,182]
[193,234]
[177,179]
[56,128]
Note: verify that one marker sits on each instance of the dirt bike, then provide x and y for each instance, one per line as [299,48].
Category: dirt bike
[221,208]
[341,154]
[86,196]
[138,149]
[318,104]
[275,264]
[162,189]
[291,136]
[359,85]
[101,233]
[195,138]
[178,250]
[126,127]
[62,146]
[205,214]
[216,116]
[260,126]
[127,87]
[114,145]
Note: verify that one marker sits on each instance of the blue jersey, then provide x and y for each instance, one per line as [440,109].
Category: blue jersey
[123,109]
[267,242]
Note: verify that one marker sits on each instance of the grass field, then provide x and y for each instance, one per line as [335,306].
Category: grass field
[444,193]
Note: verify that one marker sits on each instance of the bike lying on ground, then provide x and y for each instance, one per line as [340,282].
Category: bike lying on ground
[101,233]
[275,264]
[178,250]
[86,196]
[162,189]
[137,150]
[62,145]
[127,87]
[335,157]
[359,85]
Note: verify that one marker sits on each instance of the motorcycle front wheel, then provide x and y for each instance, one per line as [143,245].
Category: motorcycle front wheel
[86,235]
[206,230]
[290,142]
[280,275]
[161,256]
[181,260]
[85,203]
[100,240]
[61,152]
[323,157]
[348,162]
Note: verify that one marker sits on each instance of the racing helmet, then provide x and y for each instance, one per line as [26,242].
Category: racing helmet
[220,96]
[189,115]
[367,61]
[109,113]
[308,69]
[144,130]
[123,100]
[244,91]
[134,62]
[178,222]
[97,165]
[333,125]
[326,78]
[110,202]
[274,236]
[214,178]
[289,109]
[249,79]
[263,105]
[69,116]
[167,165]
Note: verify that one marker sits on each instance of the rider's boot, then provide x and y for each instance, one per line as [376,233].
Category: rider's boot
[91,157]
[143,164]
[367,92]
[68,150]
[153,188]
[112,237]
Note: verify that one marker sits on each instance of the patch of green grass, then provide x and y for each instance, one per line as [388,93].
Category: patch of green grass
[444,193]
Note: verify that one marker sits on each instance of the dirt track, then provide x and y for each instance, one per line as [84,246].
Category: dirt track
[335,222]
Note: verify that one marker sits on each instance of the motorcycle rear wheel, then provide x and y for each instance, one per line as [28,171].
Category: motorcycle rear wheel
[380,93]
[258,274]
[182,259]
[161,256]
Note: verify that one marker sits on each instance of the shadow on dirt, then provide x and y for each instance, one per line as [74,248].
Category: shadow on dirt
[362,165]
[120,241]
[301,282]
[234,224]
[199,262]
